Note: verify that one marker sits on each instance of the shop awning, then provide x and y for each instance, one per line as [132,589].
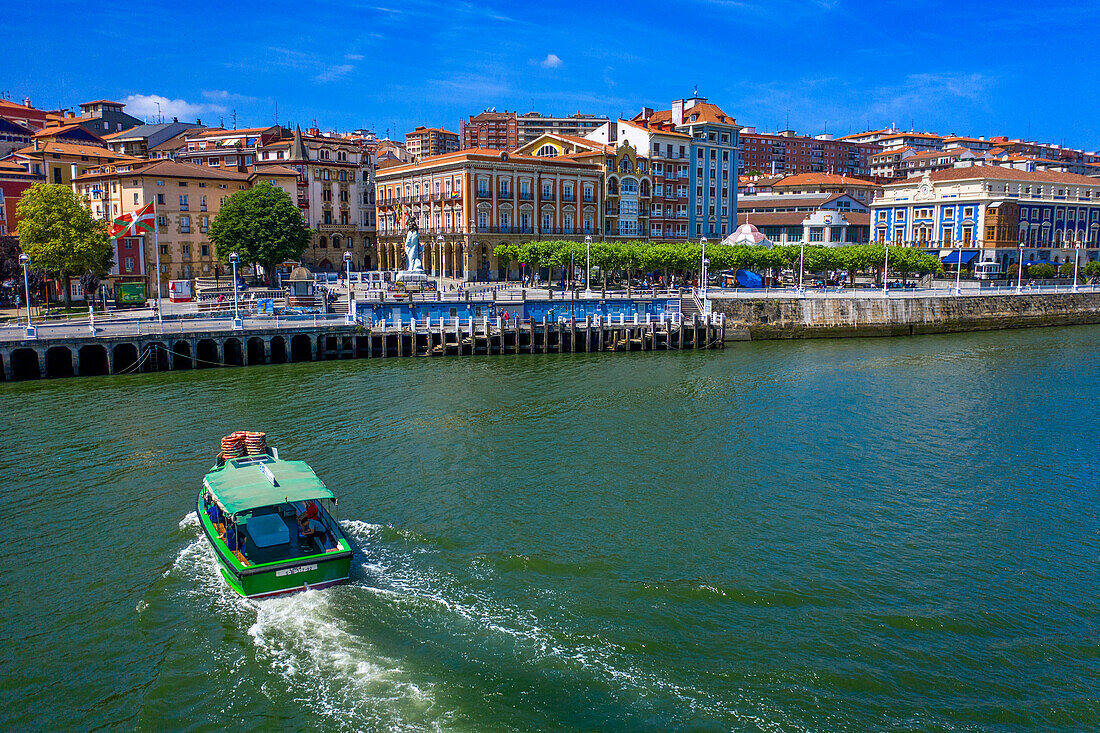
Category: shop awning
[953,257]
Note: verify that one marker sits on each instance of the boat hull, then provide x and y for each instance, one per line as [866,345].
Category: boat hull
[273,579]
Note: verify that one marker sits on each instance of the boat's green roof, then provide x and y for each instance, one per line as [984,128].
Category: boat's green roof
[241,485]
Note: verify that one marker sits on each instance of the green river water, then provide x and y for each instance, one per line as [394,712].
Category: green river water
[862,535]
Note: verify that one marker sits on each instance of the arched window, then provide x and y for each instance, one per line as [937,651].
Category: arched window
[335,242]
[625,166]
[547,151]
[343,175]
[612,187]
[630,185]
[323,243]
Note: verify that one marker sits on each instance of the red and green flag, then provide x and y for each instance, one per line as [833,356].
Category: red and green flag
[140,222]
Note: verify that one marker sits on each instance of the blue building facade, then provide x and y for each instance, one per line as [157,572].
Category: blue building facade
[715,142]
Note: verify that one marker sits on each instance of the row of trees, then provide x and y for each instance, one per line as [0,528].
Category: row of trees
[62,238]
[685,258]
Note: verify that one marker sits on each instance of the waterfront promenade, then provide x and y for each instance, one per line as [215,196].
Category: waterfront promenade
[524,322]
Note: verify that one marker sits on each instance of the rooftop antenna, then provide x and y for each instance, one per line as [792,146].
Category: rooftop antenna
[234,119]
[276,111]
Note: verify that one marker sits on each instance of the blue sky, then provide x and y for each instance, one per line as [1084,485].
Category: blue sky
[972,68]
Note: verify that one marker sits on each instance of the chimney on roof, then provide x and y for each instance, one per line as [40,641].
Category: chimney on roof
[678,112]
[36,141]
[198,122]
[175,119]
[26,101]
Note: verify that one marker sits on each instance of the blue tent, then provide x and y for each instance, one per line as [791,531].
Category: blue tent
[953,258]
[749,279]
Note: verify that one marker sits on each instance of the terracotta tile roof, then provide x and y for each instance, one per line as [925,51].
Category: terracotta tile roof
[169,169]
[1001,173]
[100,101]
[923,135]
[273,169]
[795,218]
[92,151]
[655,131]
[53,131]
[233,133]
[11,166]
[421,130]
[864,134]
[820,179]
[892,151]
[707,113]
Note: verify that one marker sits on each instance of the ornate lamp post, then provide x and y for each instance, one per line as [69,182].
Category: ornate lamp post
[237,322]
[24,260]
[588,266]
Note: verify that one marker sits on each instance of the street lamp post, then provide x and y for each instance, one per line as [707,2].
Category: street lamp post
[1076,256]
[439,245]
[237,322]
[24,260]
[1020,269]
[801,265]
[703,269]
[587,266]
[351,312]
[958,267]
[886,272]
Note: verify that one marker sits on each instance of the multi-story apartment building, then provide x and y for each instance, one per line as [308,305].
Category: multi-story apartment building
[858,189]
[13,136]
[627,179]
[187,198]
[713,161]
[138,141]
[534,125]
[467,203]
[24,114]
[60,162]
[491,130]
[334,188]
[993,214]
[786,153]
[427,141]
[233,149]
[14,180]
[103,116]
[873,137]
[669,157]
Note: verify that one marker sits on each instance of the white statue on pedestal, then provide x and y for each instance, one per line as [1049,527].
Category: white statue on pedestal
[412,248]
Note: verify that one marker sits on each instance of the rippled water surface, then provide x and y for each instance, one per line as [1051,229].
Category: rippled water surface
[850,535]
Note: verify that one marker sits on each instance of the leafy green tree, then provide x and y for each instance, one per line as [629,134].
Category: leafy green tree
[261,224]
[1066,270]
[1041,271]
[1091,269]
[60,235]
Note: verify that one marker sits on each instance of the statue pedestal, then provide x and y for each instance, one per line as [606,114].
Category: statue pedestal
[412,276]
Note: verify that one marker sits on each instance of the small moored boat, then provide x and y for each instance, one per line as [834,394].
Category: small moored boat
[269,522]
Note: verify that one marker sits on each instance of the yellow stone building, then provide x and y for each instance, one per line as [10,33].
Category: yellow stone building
[187,198]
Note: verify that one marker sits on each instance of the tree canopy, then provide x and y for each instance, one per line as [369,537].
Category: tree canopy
[686,257]
[261,224]
[60,235]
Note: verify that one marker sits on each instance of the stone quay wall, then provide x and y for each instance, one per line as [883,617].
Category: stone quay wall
[899,315]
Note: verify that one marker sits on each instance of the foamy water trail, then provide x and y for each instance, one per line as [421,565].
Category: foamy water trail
[304,641]
[400,574]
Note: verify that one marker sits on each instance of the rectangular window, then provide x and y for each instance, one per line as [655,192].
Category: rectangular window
[183,203]
[185,224]
[160,199]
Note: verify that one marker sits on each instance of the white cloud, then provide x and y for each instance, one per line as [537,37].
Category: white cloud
[552,61]
[220,95]
[353,56]
[150,105]
[335,73]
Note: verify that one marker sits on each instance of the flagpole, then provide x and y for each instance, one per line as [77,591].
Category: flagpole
[156,244]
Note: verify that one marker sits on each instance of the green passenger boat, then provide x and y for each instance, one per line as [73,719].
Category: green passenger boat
[269,523]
